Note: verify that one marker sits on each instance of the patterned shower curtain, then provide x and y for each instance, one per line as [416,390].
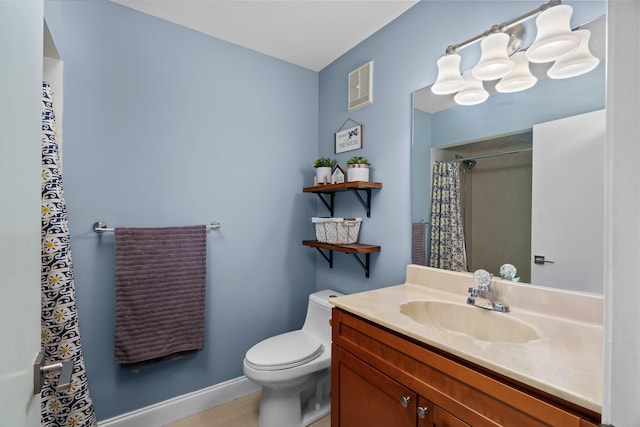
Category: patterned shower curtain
[59,321]
[447,234]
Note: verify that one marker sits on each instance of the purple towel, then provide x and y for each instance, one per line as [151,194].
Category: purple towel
[160,293]
[418,244]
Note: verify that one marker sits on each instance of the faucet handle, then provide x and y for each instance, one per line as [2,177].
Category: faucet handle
[483,277]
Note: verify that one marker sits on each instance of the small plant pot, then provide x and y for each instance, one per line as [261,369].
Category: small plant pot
[358,172]
[322,173]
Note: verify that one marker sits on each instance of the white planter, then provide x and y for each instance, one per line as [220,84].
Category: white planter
[321,173]
[358,173]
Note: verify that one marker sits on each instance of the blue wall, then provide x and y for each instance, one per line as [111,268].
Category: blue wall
[166,126]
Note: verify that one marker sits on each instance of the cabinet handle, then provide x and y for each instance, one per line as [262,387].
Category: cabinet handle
[423,411]
[404,401]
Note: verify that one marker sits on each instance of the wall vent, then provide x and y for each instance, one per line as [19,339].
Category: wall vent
[361,86]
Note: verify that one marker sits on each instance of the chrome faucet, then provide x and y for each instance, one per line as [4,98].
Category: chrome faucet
[484,290]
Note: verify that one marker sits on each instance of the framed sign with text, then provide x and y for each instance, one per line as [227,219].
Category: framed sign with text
[348,139]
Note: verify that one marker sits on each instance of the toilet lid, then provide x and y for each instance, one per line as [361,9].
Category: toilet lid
[284,351]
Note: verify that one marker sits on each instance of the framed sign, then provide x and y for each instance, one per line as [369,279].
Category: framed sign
[348,139]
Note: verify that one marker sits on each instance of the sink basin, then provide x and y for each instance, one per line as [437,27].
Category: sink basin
[485,325]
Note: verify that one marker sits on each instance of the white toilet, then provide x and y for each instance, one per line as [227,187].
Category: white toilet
[294,369]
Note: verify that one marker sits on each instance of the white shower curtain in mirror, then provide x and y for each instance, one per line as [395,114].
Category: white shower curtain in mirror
[447,234]
[59,319]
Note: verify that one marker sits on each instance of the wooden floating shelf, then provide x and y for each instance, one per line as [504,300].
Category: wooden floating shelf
[351,185]
[353,249]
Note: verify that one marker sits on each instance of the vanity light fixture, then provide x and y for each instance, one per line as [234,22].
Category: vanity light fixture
[473,92]
[494,59]
[502,58]
[553,37]
[576,63]
[520,78]
[449,78]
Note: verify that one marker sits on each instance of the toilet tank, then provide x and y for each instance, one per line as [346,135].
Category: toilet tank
[319,313]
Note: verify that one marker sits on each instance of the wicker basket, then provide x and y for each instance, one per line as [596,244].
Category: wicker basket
[337,231]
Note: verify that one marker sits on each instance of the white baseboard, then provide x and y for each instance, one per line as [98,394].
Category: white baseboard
[183,406]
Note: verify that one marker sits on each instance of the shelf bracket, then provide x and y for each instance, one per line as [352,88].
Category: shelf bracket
[365,265]
[328,204]
[328,258]
[366,204]
[353,249]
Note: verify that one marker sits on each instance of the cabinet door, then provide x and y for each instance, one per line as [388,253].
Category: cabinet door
[430,415]
[442,418]
[367,397]
[425,412]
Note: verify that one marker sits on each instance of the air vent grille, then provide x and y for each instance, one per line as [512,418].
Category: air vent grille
[361,86]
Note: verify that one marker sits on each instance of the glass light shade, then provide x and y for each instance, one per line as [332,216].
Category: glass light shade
[449,79]
[554,37]
[578,62]
[520,78]
[494,60]
[473,92]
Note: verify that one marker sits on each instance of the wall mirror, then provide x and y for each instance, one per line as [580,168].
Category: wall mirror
[503,172]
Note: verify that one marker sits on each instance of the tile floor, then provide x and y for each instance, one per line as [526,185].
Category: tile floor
[242,412]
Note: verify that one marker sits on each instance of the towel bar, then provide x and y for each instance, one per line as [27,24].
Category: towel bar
[101,227]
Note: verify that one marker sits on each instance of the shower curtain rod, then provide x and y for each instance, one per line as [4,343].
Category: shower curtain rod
[482,156]
[101,227]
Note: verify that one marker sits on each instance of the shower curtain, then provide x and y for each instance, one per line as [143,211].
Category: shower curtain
[59,319]
[447,234]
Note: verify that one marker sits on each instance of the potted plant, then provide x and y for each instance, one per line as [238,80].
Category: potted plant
[324,167]
[358,169]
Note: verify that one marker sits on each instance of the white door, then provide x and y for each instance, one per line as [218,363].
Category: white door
[567,218]
[21,27]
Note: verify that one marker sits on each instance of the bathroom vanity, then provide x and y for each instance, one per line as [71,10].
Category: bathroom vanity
[416,354]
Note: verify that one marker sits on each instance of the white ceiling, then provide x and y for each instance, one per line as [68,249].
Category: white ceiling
[308,33]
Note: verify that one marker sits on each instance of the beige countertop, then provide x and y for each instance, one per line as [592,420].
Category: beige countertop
[565,360]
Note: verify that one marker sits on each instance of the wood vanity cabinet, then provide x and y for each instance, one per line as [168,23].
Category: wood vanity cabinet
[380,378]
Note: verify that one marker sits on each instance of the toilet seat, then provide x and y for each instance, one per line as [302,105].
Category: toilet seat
[284,351]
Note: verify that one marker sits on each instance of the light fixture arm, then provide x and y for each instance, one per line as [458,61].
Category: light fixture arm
[502,27]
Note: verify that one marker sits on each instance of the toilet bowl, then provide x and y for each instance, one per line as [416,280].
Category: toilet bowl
[293,369]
